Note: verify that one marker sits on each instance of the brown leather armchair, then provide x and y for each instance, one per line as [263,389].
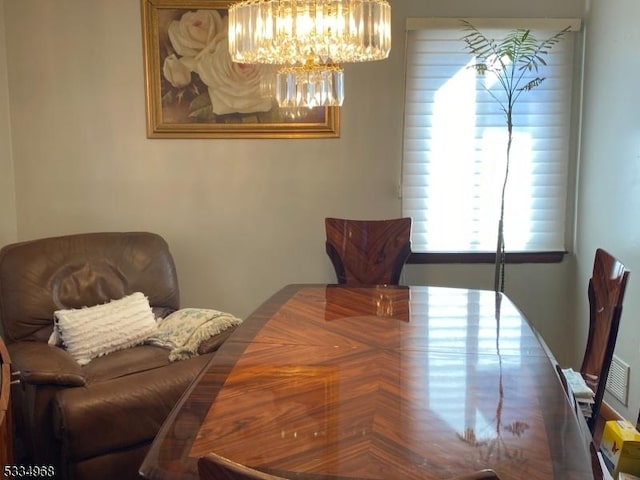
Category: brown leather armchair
[98,420]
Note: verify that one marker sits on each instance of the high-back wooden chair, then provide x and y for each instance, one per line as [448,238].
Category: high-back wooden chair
[606,293]
[486,474]
[214,467]
[368,252]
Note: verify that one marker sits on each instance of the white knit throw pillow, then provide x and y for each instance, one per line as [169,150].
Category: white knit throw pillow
[91,332]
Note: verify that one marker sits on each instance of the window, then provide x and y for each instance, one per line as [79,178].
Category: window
[455,140]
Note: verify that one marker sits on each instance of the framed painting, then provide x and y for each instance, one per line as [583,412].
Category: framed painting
[194,90]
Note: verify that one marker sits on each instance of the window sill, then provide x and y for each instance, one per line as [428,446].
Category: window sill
[485,257]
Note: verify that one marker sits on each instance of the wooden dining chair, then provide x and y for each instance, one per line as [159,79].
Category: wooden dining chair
[486,474]
[368,252]
[214,467]
[606,293]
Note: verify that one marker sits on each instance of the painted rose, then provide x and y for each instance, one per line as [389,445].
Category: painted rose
[233,87]
[176,72]
[197,32]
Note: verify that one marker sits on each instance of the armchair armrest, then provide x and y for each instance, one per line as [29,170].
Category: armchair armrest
[39,363]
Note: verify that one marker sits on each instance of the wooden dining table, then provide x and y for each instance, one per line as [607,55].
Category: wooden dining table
[380,383]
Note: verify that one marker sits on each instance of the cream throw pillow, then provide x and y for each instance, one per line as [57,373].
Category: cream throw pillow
[91,332]
[184,330]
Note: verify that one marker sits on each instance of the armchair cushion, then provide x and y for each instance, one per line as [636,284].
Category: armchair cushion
[91,332]
[120,406]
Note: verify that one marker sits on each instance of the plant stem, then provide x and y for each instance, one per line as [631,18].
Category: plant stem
[498,282]
[498,263]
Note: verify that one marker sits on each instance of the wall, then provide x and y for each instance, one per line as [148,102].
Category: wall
[243,217]
[609,181]
[8,227]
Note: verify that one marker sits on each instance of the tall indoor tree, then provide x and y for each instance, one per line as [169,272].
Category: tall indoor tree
[512,61]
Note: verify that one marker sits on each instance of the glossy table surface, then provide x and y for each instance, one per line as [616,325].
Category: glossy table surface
[334,382]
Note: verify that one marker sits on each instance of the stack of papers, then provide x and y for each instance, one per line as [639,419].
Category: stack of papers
[581,391]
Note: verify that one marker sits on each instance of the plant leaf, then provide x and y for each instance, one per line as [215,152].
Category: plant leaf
[532,84]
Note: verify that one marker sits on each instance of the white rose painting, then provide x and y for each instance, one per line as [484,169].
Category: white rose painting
[195,90]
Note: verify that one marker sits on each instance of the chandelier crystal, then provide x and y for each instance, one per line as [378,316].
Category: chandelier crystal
[310,86]
[309,38]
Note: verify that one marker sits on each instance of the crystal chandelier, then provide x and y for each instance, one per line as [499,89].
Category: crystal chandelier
[309,39]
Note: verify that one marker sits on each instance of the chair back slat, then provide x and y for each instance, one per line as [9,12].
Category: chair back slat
[215,467]
[368,252]
[486,474]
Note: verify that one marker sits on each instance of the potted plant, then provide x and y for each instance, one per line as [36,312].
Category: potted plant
[511,61]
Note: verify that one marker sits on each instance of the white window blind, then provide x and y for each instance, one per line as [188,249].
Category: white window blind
[455,141]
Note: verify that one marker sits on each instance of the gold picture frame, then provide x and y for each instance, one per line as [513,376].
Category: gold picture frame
[191,85]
